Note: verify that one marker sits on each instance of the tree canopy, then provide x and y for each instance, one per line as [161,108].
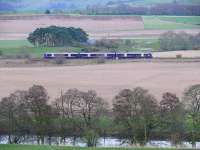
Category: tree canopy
[57,36]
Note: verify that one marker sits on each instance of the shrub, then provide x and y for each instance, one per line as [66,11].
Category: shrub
[91,138]
[101,60]
[1,53]
[59,61]
[179,56]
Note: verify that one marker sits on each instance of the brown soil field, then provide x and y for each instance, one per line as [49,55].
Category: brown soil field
[173,54]
[106,79]
[114,27]
[18,27]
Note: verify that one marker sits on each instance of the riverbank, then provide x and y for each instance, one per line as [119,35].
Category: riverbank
[43,147]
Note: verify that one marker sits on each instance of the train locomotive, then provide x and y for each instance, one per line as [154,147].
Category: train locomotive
[106,55]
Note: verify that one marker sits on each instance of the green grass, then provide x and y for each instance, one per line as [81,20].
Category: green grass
[14,43]
[35,51]
[19,47]
[139,44]
[36,147]
[192,20]
[14,48]
[163,22]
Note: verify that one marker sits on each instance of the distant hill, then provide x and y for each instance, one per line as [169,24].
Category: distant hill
[72,5]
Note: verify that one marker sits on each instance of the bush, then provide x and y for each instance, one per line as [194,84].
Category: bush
[179,41]
[59,61]
[101,60]
[1,53]
[179,56]
[91,138]
[47,11]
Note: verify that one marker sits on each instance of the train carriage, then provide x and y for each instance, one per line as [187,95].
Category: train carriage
[108,55]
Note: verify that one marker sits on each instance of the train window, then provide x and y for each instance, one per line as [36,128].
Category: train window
[48,55]
[138,55]
[74,55]
[97,55]
[83,55]
[130,55]
[134,55]
[120,55]
[147,55]
[111,55]
[66,55]
[93,55]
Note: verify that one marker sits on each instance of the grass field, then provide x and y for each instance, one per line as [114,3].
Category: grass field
[20,47]
[98,27]
[31,147]
[191,20]
[14,43]
[171,22]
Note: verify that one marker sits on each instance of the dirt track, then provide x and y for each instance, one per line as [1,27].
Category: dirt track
[107,79]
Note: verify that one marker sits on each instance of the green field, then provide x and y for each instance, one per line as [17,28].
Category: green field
[171,22]
[17,48]
[32,147]
[14,43]
[23,47]
[183,19]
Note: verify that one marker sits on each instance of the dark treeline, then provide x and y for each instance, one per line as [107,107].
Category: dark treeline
[179,41]
[57,36]
[159,9]
[136,116]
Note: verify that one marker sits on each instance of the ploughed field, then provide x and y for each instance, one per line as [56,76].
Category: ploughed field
[106,79]
[19,26]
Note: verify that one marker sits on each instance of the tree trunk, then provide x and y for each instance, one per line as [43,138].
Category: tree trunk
[145,134]
[38,140]
[104,138]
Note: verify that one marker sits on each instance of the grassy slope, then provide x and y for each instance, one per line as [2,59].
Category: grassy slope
[31,147]
[170,22]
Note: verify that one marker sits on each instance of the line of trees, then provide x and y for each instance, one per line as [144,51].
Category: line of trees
[57,36]
[159,9]
[136,116]
[179,41]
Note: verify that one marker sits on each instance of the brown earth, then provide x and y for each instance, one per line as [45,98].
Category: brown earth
[106,79]
[18,27]
[114,27]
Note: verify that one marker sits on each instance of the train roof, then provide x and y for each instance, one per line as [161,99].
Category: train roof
[96,52]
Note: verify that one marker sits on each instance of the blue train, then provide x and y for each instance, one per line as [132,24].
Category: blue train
[106,55]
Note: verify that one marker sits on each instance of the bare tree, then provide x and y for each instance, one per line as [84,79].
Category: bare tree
[137,109]
[66,107]
[37,99]
[172,117]
[90,107]
[14,115]
[192,104]
[78,111]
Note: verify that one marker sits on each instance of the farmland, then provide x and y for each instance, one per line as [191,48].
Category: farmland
[171,22]
[12,48]
[106,79]
[113,27]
